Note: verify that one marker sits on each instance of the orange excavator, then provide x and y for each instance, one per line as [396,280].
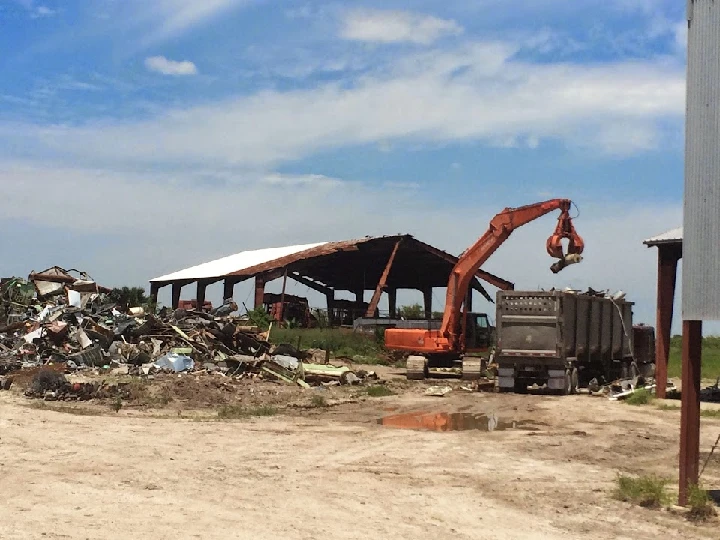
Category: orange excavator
[444,347]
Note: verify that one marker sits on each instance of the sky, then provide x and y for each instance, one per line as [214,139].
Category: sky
[139,138]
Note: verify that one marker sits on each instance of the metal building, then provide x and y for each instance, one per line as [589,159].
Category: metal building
[379,264]
[669,246]
[701,222]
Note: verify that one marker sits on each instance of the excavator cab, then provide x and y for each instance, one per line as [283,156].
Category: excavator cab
[479,333]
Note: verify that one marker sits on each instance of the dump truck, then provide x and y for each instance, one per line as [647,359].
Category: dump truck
[564,340]
[461,331]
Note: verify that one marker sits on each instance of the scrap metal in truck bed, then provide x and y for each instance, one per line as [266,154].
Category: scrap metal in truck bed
[563,340]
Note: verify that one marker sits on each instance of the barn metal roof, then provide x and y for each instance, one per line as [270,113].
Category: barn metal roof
[234,263]
[347,265]
[673,236]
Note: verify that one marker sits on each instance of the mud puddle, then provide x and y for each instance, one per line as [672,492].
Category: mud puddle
[459,421]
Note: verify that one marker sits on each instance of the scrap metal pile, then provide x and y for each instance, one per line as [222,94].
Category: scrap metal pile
[70,324]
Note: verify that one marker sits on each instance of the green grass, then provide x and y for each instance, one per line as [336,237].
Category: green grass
[229,412]
[710,357]
[640,397]
[379,390]
[646,491]
[666,407]
[700,503]
[364,348]
[705,413]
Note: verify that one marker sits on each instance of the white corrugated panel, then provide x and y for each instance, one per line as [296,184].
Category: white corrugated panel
[235,263]
[673,235]
[701,243]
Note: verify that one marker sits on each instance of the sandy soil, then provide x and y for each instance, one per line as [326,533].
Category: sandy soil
[334,472]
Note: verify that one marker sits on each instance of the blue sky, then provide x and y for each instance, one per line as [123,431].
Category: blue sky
[138,138]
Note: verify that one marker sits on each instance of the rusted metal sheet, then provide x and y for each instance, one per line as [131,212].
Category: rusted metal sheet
[53,280]
[324,249]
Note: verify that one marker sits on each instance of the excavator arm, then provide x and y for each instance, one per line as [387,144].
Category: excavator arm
[501,227]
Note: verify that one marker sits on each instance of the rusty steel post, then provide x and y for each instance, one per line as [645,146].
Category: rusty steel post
[690,407]
[668,257]
[259,291]
[282,296]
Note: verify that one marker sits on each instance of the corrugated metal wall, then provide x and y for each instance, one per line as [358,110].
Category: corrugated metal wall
[701,243]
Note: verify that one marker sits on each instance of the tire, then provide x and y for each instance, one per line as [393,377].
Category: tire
[520,386]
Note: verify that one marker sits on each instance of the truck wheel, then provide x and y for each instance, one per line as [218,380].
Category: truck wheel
[574,381]
[567,387]
[417,368]
[521,386]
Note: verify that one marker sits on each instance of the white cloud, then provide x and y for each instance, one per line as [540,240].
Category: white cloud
[173,17]
[396,26]
[160,64]
[475,93]
[43,11]
[36,12]
[137,242]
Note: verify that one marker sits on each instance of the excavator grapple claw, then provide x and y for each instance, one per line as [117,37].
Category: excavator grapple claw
[565,230]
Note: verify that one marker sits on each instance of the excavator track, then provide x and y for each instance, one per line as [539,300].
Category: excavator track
[416,368]
[472,369]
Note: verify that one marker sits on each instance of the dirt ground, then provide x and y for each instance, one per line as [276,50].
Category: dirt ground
[172,469]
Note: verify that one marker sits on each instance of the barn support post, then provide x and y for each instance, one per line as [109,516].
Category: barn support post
[154,289]
[200,295]
[668,257]
[282,295]
[176,291]
[427,302]
[259,291]
[229,288]
[392,302]
[330,297]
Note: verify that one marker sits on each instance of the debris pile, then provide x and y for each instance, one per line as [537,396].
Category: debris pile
[56,319]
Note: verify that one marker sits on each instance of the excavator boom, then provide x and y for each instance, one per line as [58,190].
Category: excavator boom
[449,337]
[501,227]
